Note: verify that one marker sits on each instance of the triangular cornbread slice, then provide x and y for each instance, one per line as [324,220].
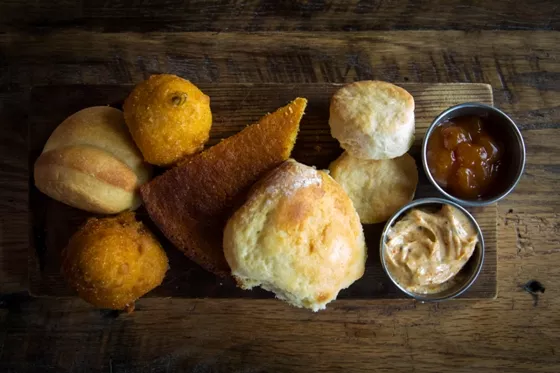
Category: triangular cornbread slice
[191,202]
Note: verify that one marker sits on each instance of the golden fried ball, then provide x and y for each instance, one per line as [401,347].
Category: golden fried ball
[168,117]
[113,261]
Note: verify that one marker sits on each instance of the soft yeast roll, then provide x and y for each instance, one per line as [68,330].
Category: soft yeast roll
[90,162]
[298,235]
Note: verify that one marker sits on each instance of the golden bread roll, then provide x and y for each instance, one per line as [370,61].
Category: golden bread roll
[111,262]
[90,162]
[297,235]
[373,119]
[378,188]
[168,117]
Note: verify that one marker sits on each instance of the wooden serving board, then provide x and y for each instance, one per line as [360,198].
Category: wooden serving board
[234,106]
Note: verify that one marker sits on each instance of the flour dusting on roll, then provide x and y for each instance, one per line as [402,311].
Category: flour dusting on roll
[297,235]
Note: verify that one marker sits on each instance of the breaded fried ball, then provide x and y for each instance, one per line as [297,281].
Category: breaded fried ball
[113,261]
[169,118]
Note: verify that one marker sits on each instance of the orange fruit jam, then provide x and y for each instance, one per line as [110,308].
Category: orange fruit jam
[464,158]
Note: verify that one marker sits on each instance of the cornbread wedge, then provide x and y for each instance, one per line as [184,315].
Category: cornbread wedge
[192,202]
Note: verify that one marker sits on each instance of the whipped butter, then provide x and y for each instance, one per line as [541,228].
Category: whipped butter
[426,249]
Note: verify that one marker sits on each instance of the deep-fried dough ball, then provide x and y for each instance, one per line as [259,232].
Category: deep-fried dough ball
[168,117]
[113,261]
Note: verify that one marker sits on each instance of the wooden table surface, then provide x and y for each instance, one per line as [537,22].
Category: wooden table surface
[512,45]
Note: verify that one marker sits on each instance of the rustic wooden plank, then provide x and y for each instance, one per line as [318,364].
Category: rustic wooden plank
[522,67]
[271,15]
[14,214]
[233,107]
[508,334]
[266,336]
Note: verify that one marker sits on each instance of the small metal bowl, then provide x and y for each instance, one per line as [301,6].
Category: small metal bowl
[508,133]
[458,284]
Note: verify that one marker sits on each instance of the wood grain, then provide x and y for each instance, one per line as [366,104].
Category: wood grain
[233,107]
[522,67]
[509,334]
[272,15]
[14,227]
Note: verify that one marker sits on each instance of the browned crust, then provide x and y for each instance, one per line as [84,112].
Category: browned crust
[399,93]
[94,162]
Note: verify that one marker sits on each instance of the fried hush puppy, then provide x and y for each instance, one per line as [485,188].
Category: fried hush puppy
[169,118]
[111,262]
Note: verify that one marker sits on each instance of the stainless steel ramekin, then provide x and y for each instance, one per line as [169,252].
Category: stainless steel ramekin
[505,129]
[462,280]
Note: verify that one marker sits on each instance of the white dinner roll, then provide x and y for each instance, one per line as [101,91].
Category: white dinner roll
[373,119]
[91,162]
[297,235]
[377,188]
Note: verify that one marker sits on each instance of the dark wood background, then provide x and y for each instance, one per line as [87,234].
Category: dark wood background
[512,45]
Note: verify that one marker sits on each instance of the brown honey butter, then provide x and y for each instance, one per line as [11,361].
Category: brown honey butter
[425,249]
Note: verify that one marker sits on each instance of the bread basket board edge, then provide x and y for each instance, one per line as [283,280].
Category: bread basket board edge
[234,106]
